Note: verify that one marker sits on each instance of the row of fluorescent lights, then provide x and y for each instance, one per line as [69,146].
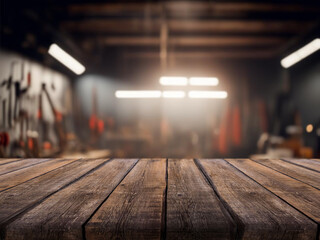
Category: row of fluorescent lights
[193,81]
[171,94]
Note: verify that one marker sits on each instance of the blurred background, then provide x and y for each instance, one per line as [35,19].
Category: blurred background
[224,78]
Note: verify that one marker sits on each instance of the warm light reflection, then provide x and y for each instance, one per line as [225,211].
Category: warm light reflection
[208,94]
[138,94]
[173,81]
[309,128]
[173,94]
[203,81]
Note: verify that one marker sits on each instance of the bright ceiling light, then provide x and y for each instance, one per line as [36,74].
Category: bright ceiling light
[63,57]
[138,94]
[173,94]
[173,81]
[203,81]
[301,53]
[208,94]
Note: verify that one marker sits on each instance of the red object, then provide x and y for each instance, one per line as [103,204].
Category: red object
[58,116]
[30,143]
[93,122]
[4,139]
[47,145]
[29,79]
[100,126]
[236,126]
[39,114]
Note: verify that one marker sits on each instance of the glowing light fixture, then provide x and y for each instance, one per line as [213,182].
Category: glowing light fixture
[138,94]
[309,128]
[173,94]
[173,81]
[67,60]
[300,54]
[203,81]
[208,94]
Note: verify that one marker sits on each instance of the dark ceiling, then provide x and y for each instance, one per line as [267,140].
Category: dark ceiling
[94,31]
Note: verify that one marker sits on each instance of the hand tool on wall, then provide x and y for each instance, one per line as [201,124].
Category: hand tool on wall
[4,143]
[9,83]
[19,92]
[96,125]
[4,113]
[57,120]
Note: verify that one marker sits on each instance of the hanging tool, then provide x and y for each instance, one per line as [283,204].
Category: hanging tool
[20,92]
[96,125]
[57,120]
[4,113]
[9,84]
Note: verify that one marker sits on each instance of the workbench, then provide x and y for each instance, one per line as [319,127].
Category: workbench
[159,199]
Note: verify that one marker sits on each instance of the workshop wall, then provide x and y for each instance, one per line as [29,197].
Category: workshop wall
[58,87]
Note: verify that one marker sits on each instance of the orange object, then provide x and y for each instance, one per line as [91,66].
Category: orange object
[58,116]
[30,143]
[39,114]
[92,122]
[46,145]
[100,126]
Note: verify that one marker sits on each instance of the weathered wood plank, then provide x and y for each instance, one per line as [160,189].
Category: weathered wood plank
[62,215]
[193,209]
[14,166]
[9,160]
[25,196]
[300,195]
[312,164]
[259,213]
[134,209]
[297,172]
[22,175]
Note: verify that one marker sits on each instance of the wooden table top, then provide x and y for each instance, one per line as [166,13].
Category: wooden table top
[159,199]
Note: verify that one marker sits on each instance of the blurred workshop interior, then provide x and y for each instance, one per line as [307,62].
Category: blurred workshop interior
[205,79]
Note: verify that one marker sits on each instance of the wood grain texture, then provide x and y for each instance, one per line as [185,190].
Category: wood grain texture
[62,215]
[9,160]
[134,209]
[298,194]
[193,209]
[25,196]
[22,175]
[297,172]
[16,165]
[311,164]
[258,212]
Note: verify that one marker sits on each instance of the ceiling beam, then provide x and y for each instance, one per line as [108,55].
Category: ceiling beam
[202,54]
[136,25]
[185,41]
[190,8]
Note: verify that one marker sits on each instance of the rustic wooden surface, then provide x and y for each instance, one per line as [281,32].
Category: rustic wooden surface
[159,199]
[134,209]
[16,165]
[312,164]
[302,174]
[193,209]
